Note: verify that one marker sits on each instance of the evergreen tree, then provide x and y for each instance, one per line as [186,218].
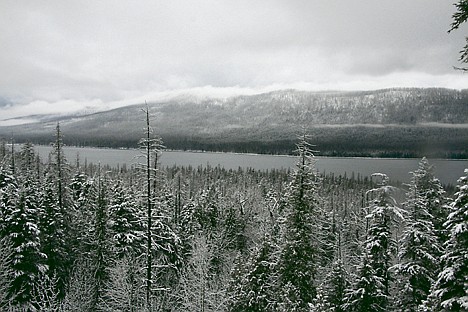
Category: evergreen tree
[460,17]
[300,246]
[27,161]
[22,230]
[80,236]
[368,291]
[100,252]
[3,150]
[336,282]
[6,273]
[8,196]
[125,222]
[450,292]
[433,194]
[420,248]
[53,236]
[253,284]
[59,165]
[372,285]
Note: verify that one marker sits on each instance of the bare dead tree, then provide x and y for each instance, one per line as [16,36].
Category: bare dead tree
[151,148]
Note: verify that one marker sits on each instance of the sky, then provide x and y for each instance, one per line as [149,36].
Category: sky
[63,56]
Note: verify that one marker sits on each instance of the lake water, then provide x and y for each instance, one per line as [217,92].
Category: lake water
[448,171]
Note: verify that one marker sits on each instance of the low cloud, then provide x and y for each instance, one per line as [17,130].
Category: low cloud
[93,55]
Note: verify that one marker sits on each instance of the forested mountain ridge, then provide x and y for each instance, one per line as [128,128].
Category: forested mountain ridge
[416,118]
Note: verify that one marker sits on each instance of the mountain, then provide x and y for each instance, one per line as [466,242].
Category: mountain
[390,122]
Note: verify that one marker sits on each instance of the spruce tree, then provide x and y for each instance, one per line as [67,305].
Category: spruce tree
[8,196]
[300,246]
[253,284]
[22,230]
[125,220]
[59,164]
[336,282]
[433,195]
[81,216]
[53,235]
[100,252]
[420,247]
[368,291]
[450,291]
[371,289]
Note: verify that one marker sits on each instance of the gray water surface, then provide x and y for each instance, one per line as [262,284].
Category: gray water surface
[448,171]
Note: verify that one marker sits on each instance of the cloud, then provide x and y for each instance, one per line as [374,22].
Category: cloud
[61,56]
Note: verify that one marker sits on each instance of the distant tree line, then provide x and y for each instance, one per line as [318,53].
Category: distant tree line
[390,141]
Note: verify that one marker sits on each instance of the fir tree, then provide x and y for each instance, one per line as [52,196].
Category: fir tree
[6,273]
[53,236]
[27,161]
[433,195]
[253,284]
[368,292]
[81,190]
[372,285]
[59,165]
[100,244]
[450,292]
[300,247]
[22,229]
[3,150]
[125,222]
[8,196]
[420,248]
[336,281]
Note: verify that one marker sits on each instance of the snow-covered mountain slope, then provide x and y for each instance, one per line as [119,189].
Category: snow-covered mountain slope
[275,116]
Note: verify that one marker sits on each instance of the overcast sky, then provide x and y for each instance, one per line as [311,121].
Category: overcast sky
[58,56]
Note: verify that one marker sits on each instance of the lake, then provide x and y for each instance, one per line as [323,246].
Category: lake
[448,171]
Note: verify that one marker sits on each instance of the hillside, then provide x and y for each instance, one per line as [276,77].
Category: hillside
[391,122]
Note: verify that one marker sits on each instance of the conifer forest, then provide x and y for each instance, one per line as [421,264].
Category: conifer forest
[271,140]
[86,237]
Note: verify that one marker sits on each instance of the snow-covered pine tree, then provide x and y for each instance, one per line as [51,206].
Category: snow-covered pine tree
[21,213]
[419,246]
[27,160]
[81,216]
[53,235]
[125,220]
[253,281]
[433,194]
[300,245]
[6,273]
[8,196]
[371,288]
[368,291]
[3,150]
[100,252]
[22,229]
[59,164]
[336,282]
[450,291]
